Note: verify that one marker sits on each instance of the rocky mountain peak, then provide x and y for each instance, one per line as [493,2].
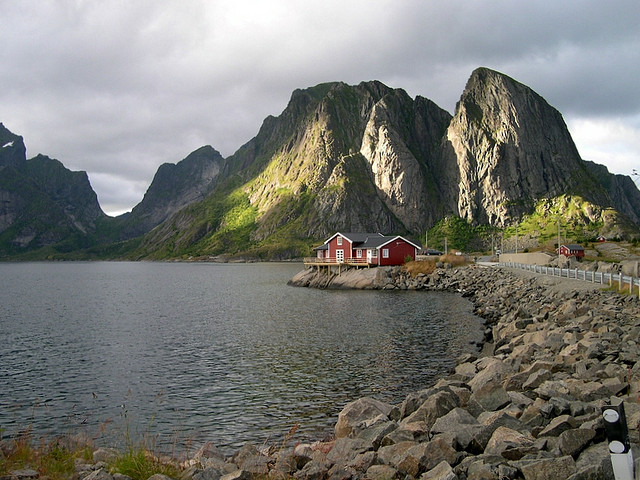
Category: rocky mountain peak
[12,149]
[173,187]
[511,147]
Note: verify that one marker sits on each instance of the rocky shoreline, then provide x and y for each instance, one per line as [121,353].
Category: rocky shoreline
[528,406]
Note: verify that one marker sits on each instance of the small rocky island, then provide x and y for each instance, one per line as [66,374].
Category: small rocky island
[527,406]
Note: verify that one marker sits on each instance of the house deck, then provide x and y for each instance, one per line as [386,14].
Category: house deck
[333,262]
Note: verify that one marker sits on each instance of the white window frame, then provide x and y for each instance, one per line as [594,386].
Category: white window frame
[385,253]
[340,256]
[339,240]
[359,253]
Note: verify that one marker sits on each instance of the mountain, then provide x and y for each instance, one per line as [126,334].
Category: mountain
[12,149]
[344,157]
[174,186]
[338,157]
[370,158]
[622,191]
[43,203]
[508,148]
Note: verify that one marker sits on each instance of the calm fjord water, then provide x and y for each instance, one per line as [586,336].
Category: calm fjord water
[226,353]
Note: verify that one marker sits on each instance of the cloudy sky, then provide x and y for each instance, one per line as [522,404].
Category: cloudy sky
[118,87]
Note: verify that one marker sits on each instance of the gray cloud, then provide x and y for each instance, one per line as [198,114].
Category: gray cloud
[117,88]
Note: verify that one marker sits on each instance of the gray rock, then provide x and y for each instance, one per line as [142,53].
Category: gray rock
[313,470]
[463,428]
[597,460]
[407,431]
[434,407]
[237,475]
[246,451]
[159,476]
[374,435]
[346,449]
[416,459]
[359,415]
[479,467]
[490,397]
[573,441]
[510,443]
[491,421]
[340,472]
[363,461]
[536,379]
[100,474]
[256,464]
[442,471]
[553,388]
[120,476]
[549,468]
[382,472]
[29,473]
[387,454]
[558,425]
[208,456]
[209,473]
[104,454]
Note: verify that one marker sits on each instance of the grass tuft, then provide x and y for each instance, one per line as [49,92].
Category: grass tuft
[51,459]
[139,464]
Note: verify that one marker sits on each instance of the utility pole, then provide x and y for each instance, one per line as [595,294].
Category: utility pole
[516,238]
[558,236]
[445,245]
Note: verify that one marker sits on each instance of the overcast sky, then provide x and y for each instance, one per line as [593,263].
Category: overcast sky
[117,88]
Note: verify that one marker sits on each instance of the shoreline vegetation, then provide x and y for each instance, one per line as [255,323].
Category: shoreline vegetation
[526,406]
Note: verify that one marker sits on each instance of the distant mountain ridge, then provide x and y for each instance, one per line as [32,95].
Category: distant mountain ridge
[42,202]
[174,186]
[367,158]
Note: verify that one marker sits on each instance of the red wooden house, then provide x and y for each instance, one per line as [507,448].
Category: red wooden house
[366,249]
[572,250]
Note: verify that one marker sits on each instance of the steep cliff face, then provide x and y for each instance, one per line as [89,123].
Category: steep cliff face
[173,187]
[12,149]
[361,153]
[400,144]
[45,204]
[510,148]
[624,194]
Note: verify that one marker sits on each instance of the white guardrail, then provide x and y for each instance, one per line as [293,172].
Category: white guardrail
[623,281]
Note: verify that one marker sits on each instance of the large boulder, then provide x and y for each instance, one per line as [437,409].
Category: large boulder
[361,414]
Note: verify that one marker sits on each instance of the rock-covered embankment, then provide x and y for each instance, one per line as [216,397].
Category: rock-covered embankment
[528,406]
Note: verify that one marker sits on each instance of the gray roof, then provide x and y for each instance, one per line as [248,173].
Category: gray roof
[366,240]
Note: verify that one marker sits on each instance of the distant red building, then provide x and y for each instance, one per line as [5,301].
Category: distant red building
[572,250]
[366,249]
